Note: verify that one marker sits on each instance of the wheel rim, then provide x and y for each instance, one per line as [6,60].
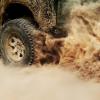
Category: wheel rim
[15,49]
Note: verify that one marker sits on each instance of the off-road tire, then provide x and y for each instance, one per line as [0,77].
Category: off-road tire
[23,30]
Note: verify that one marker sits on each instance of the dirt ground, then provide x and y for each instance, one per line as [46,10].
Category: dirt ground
[45,83]
[77,75]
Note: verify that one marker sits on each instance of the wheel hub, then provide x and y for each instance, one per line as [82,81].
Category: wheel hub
[15,49]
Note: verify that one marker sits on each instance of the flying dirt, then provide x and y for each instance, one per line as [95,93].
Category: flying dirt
[82,47]
[68,68]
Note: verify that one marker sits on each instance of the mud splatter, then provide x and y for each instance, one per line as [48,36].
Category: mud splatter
[80,49]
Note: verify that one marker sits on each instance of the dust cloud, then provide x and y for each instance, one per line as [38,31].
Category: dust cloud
[82,46]
[79,56]
[45,83]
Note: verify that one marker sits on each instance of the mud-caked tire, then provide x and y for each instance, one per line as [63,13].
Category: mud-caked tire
[17,42]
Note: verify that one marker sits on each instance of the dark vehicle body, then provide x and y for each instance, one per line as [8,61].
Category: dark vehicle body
[19,19]
[44,12]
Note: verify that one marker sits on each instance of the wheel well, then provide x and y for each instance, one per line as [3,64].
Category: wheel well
[16,10]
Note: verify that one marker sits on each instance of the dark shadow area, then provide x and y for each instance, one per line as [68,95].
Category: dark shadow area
[16,10]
